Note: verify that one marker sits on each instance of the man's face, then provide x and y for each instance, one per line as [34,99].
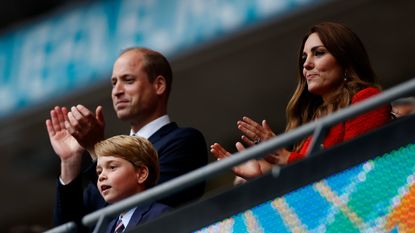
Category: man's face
[133,96]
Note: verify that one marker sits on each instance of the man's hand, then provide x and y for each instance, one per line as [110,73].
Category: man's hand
[65,146]
[86,127]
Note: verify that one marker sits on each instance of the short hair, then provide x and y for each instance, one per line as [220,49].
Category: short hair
[136,150]
[155,64]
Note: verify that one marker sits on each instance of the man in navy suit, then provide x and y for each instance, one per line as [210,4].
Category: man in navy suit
[141,83]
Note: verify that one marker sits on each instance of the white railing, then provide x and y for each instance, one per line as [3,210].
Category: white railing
[317,128]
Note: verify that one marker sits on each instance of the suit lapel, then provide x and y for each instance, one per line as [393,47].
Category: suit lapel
[111,225]
[162,132]
[138,216]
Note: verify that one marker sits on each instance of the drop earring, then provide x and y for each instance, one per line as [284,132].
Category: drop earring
[345,76]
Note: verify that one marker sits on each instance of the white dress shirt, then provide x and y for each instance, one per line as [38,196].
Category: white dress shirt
[152,127]
[125,218]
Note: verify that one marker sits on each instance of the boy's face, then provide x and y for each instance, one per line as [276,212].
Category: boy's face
[117,178]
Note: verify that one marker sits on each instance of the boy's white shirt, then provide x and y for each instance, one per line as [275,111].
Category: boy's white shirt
[125,218]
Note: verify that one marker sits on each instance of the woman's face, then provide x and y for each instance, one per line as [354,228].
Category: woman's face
[320,69]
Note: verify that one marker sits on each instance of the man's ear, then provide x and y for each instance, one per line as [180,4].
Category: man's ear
[142,174]
[160,84]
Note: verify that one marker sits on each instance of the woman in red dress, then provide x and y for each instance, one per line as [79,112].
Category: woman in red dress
[334,72]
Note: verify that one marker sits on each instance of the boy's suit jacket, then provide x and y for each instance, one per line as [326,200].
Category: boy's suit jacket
[180,150]
[140,215]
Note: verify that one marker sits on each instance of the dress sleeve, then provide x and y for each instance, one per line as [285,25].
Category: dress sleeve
[295,156]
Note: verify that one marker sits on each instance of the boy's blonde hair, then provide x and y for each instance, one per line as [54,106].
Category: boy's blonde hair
[137,150]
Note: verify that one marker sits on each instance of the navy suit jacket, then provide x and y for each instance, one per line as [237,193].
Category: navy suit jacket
[180,150]
[141,215]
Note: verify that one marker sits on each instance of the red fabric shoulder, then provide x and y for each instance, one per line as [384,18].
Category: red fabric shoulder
[352,127]
[365,94]
[369,120]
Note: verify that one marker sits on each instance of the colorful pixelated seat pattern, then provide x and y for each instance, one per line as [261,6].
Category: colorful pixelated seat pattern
[375,196]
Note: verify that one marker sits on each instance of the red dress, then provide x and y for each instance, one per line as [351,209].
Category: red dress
[352,127]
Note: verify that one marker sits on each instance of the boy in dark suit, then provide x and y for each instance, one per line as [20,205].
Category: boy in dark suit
[127,165]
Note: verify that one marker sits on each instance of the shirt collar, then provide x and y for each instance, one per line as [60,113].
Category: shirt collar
[152,127]
[125,218]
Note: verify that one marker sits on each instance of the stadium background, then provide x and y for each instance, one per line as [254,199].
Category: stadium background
[222,71]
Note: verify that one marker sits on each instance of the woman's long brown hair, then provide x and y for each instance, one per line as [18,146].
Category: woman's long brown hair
[350,54]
